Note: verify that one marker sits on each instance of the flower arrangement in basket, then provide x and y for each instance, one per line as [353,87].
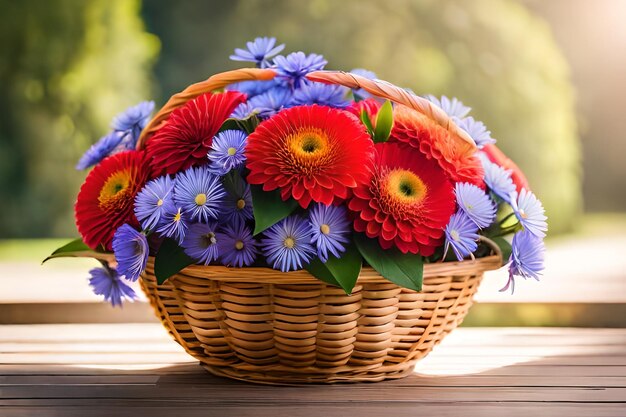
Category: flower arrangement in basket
[291,224]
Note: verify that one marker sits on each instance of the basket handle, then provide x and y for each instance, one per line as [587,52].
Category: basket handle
[378,88]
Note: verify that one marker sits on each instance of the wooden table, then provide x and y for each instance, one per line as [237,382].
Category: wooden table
[136,370]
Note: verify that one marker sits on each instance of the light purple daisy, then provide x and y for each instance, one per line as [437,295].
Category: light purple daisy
[100,150]
[477,131]
[259,51]
[475,203]
[150,201]
[227,151]
[199,193]
[238,202]
[236,245]
[330,230]
[200,242]
[319,93]
[287,244]
[527,258]
[296,65]
[131,251]
[530,213]
[242,111]
[462,235]
[132,121]
[108,283]
[271,102]
[453,107]
[497,178]
[174,222]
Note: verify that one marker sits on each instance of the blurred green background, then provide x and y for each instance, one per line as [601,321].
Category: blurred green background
[527,68]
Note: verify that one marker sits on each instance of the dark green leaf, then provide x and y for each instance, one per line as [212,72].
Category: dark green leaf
[342,272]
[247,125]
[319,271]
[405,270]
[75,248]
[170,260]
[504,246]
[232,182]
[269,207]
[384,123]
[365,118]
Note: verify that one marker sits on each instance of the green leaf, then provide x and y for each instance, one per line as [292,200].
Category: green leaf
[247,125]
[342,272]
[269,207]
[232,182]
[504,246]
[75,248]
[365,118]
[405,270]
[384,123]
[170,260]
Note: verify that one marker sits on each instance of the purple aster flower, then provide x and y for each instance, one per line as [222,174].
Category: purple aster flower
[477,131]
[296,65]
[287,244]
[108,283]
[131,251]
[227,151]
[475,203]
[151,200]
[530,213]
[237,247]
[461,234]
[199,193]
[253,88]
[237,203]
[173,223]
[259,51]
[330,228]
[497,178]
[270,102]
[201,242]
[100,150]
[242,111]
[453,107]
[132,121]
[319,93]
[527,258]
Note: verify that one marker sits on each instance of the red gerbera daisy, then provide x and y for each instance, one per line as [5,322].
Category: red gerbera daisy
[370,106]
[310,153]
[106,199]
[455,156]
[187,135]
[408,202]
[498,157]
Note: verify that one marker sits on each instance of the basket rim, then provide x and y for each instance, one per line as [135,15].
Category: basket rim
[432,271]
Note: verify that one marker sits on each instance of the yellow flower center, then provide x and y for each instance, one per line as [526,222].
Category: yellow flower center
[114,186]
[241,203]
[239,245]
[159,203]
[325,229]
[308,148]
[178,216]
[231,151]
[405,187]
[289,243]
[200,199]
[455,235]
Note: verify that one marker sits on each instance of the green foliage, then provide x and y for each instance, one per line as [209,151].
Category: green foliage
[170,260]
[67,67]
[384,123]
[269,207]
[342,272]
[69,250]
[492,54]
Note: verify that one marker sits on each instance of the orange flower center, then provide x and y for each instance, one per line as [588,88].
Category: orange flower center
[404,187]
[115,188]
[308,148]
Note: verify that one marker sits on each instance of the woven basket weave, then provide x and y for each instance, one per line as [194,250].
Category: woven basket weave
[265,326]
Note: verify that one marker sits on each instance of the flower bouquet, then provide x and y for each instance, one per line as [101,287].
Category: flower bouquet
[291,224]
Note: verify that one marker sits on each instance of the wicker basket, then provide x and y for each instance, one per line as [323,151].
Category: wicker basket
[265,326]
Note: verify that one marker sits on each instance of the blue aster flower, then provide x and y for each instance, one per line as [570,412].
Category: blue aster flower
[131,251]
[227,151]
[330,228]
[497,178]
[270,102]
[361,94]
[132,121]
[475,203]
[319,93]
[201,242]
[237,247]
[100,150]
[174,222]
[527,258]
[462,235]
[296,65]
[199,193]
[259,51]
[238,202]
[453,107]
[287,244]
[477,131]
[253,88]
[242,111]
[151,200]
[530,213]
[108,283]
